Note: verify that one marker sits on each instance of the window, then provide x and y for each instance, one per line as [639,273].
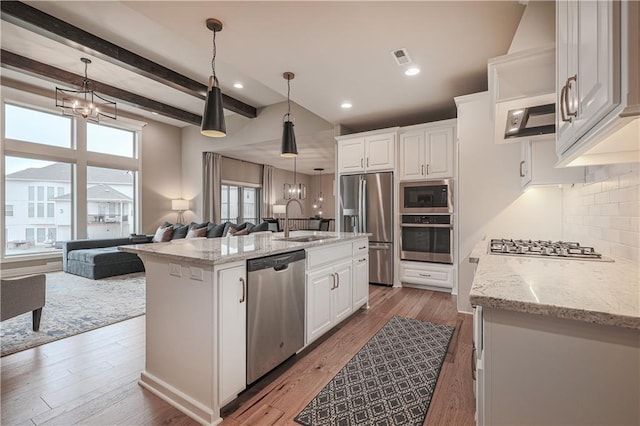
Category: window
[40,189]
[109,140]
[29,201]
[110,202]
[239,205]
[51,129]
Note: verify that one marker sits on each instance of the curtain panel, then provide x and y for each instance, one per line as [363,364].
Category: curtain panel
[268,198]
[211,181]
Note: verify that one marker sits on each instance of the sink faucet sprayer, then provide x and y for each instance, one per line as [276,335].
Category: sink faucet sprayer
[286,215]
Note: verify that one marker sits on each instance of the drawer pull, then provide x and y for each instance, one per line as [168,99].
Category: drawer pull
[426,275]
[362,260]
[362,248]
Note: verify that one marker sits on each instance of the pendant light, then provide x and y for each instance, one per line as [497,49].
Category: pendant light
[289,147]
[213,117]
[85,102]
[295,190]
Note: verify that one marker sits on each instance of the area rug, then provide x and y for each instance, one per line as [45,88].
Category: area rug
[390,381]
[74,305]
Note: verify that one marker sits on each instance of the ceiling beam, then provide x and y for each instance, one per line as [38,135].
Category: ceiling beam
[46,25]
[16,62]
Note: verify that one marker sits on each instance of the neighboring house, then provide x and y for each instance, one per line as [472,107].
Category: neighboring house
[39,205]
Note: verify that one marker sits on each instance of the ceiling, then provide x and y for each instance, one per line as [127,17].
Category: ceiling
[339,51]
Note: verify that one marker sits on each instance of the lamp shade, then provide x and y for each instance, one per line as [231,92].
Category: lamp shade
[180,205]
[279,209]
[289,147]
[213,118]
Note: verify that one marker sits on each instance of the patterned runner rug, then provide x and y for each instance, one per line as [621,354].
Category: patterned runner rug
[390,381]
[74,305]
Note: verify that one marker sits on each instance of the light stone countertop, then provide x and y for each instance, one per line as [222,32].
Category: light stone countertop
[598,292]
[216,251]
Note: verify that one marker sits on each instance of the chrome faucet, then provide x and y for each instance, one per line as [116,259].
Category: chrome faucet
[286,215]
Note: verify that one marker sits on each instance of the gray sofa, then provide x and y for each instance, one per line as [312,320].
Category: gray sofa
[21,295]
[95,259]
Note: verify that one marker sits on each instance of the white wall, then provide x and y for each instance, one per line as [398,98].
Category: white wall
[605,211]
[490,200]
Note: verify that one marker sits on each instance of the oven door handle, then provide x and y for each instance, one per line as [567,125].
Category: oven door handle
[424,225]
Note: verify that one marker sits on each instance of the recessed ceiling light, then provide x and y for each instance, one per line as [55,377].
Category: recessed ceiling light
[238,85]
[412,71]
[346,105]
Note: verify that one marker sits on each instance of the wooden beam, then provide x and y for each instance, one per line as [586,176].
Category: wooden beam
[20,63]
[41,23]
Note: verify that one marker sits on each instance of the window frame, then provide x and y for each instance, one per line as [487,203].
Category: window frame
[77,155]
[242,186]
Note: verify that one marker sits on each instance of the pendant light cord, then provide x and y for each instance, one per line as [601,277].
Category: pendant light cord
[213,59]
[288,100]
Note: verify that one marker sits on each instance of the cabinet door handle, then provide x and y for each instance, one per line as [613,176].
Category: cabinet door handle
[362,260]
[521,172]
[473,363]
[333,280]
[362,248]
[362,162]
[566,96]
[244,290]
[367,161]
[563,115]
[422,169]
[338,278]
[427,168]
[426,275]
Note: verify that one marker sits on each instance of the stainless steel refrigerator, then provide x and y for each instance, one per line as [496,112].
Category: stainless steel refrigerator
[366,205]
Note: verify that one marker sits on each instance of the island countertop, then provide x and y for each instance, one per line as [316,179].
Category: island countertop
[598,292]
[216,251]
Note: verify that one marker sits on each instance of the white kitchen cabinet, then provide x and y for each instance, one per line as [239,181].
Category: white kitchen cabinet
[592,370]
[427,152]
[537,165]
[367,152]
[337,285]
[594,77]
[329,298]
[430,276]
[232,327]
[360,274]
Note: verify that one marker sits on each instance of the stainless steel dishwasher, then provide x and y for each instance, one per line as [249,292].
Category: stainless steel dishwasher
[275,314]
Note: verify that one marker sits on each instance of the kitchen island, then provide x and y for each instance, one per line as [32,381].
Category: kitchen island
[196,309]
[556,341]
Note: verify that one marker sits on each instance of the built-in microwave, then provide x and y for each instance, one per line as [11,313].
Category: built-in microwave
[430,196]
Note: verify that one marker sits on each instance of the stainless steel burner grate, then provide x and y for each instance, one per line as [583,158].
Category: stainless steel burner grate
[560,249]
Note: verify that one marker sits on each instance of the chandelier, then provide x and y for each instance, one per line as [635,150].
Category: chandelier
[295,190]
[85,102]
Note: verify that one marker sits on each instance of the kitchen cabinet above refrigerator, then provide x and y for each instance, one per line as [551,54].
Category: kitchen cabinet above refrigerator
[367,152]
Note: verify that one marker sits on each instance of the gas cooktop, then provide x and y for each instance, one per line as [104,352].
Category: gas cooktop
[541,248]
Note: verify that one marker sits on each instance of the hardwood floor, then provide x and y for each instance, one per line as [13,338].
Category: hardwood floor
[91,378]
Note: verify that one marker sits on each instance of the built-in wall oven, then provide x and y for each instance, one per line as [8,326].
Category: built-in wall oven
[427,238]
[426,209]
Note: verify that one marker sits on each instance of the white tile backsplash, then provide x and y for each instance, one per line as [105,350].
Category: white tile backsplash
[605,211]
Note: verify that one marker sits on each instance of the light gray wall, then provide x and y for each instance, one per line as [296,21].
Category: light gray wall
[490,201]
[161,174]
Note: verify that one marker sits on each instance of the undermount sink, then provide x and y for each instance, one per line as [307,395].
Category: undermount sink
[305,238]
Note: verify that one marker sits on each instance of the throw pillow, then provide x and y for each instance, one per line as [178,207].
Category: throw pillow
[215,231]
[237,232]
[179,231]
[197,232]
[264,226]
[163,234]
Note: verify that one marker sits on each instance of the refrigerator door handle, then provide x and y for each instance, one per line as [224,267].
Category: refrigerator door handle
[364,205]
[360,205]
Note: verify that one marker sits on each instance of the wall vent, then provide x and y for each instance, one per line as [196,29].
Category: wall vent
[401,56]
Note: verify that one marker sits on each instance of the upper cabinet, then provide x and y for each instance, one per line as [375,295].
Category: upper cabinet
[427,152]
[537,160]
[367,152]
[597,97]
